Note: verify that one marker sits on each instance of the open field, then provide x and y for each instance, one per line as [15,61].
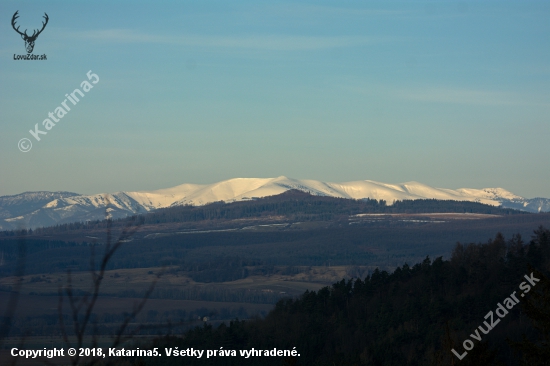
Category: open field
[139,279]
[443,216]
[35,305]
[38,309]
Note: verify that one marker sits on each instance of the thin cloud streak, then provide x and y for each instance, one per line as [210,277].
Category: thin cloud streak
[261,42]
[465,96]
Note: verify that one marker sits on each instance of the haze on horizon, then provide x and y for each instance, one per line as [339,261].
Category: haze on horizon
[450,94]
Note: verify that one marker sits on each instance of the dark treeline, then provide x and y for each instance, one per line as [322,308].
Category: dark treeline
[10,248]
[413,316]
[292,205]
[225,256]
[214,293]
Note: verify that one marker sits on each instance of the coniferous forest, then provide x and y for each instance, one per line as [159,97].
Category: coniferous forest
[412,316]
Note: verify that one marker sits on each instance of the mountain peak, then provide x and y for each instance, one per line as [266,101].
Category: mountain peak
[34,209]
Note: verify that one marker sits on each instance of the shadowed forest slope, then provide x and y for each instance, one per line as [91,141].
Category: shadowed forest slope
[413,316]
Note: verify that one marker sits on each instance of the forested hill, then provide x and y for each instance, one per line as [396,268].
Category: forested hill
[303,206]
[413,316]
[291,205]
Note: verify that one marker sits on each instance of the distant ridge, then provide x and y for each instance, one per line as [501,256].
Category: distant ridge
[36,209]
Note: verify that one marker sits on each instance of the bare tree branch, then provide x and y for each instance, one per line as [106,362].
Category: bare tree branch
[82,307]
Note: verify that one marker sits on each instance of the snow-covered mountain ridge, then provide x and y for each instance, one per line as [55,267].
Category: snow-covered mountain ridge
[35,209]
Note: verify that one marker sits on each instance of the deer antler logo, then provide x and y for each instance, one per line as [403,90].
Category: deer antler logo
[29,40]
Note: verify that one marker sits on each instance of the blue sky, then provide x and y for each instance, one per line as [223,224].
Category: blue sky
[451,94]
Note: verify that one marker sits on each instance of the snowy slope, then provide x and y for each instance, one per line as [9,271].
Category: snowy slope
[35,209]
[246,188]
